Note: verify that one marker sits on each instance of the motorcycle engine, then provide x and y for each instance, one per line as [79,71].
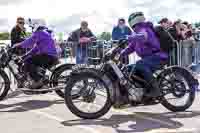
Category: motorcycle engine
[138,93]
[135,92]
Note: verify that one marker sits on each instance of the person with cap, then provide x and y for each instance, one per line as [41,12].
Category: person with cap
[81,37]
[145,43]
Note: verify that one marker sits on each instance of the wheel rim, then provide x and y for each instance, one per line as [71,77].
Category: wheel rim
[176,89]
[92,98]
[63,77]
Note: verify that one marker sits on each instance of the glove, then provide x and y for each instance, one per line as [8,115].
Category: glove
[123,43]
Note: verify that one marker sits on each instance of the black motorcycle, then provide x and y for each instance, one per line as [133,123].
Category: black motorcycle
[113,80]
[55,77]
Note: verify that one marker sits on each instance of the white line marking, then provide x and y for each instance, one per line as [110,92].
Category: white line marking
[52,117]
[180,130]
[140,116]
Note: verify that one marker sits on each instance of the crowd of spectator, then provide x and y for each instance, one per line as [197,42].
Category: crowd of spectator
[179,30]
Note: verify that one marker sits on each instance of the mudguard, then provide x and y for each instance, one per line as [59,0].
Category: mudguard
[61,68]
[193,82]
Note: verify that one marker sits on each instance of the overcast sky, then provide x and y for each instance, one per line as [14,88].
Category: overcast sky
[102,15]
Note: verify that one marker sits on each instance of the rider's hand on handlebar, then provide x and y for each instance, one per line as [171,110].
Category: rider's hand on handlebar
[16,45]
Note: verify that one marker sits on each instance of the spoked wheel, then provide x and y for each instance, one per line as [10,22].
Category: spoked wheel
[94,100]
[4,85]
[60,79]
[178,93]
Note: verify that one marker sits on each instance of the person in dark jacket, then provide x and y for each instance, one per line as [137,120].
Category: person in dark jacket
[18,35]
[81,37]
[165,23]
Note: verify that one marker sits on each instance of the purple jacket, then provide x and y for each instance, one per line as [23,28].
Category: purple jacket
[144,42]
[44,43]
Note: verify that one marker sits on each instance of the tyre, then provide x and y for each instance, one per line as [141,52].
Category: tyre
[4,85]
[61,76]
[88,95]
[178,83]
[58,78]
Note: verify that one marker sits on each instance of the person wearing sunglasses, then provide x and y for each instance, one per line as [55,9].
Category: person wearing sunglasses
[18,34]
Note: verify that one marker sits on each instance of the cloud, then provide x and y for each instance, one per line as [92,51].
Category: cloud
[197,2]
[4,25]
[11,2]
[67,24]
[65,15]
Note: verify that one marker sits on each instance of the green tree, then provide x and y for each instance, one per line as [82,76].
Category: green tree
[104,36]
[4,36]
[197,24]
[28,34]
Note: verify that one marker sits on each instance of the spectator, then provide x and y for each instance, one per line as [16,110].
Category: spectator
[121,30]
[165,23]
[18,35]
[81,36]
[176,30]
[179,32]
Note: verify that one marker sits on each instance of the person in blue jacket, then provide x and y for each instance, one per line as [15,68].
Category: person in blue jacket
[121,30]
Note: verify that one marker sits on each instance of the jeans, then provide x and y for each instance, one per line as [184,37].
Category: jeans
[147,66]
[81,55]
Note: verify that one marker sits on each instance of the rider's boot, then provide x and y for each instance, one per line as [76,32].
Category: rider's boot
[38,84]
[21,80]
[155,91]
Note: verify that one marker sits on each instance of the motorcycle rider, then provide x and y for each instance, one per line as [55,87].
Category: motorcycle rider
[43,54]
[144,42]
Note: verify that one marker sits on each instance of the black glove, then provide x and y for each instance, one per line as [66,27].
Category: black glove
[123,43]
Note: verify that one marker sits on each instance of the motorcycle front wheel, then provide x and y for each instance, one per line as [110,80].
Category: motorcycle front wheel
[96,90]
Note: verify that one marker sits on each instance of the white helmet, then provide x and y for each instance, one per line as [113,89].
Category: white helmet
[36,23]
[135,18]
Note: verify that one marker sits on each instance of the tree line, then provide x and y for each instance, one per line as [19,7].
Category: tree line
[102,36]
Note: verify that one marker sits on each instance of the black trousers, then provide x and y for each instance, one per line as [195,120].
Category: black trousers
[36,65]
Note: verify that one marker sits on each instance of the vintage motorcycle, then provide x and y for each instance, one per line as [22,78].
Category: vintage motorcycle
[56,76]
[113,80]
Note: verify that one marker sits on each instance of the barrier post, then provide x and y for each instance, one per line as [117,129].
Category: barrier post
[186,48]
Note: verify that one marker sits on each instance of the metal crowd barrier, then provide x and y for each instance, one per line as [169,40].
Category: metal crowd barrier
[93,52]
[184,53]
